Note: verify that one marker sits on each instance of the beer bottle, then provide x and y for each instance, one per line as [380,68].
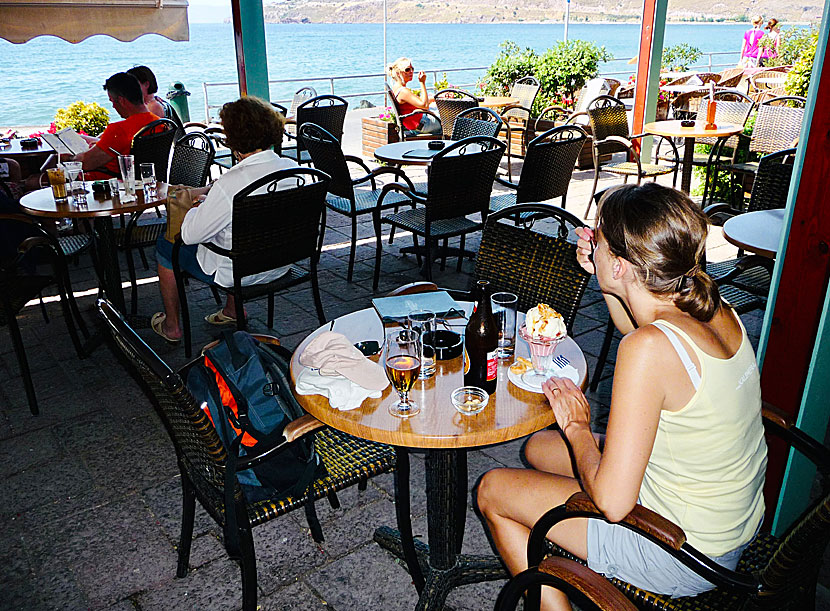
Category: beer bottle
[481,341]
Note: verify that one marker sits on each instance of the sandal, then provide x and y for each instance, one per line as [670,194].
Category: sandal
[220,319]
[156,325]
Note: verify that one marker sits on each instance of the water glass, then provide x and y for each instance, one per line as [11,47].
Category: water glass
[57,180]
[422,322]
[126,163]
[148,180]
[75,180]
[402,366]
[505,312]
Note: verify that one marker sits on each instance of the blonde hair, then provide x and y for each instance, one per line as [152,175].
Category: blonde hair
[757,20]
[396,67]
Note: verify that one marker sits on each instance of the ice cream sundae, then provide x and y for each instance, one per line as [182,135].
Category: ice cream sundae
[543,329]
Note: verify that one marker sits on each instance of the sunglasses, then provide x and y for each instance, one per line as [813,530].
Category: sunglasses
[410,69]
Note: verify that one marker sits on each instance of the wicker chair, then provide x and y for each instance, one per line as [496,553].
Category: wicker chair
[609,126]
[19,284]
[153,143]
[343,198]
[517,117]
[460,182]
[450,104]
[546,173]
[190,166]
[403,133]
[327,111]
[731,77]
[202,457]
[774,573]
[272,228]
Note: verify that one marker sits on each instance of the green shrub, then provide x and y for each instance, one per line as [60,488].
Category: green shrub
[563,69]
[798,78]
[512,64]
[89,118]
[793,41]
[680,56]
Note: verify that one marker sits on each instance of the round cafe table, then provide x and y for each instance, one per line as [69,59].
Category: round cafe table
[30,160]
[400,153]
[493,101]
[673,129]
[446,436]
[758,232]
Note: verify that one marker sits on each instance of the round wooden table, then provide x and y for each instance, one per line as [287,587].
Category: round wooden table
[445,435]
[398,153]
[673,129]
[758,232]
[492,101]
[100,210]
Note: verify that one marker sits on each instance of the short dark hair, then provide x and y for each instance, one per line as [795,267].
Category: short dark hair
[125,86]
[250,124]
[145,75]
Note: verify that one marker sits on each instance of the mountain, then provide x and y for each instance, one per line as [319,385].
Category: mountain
[484,11]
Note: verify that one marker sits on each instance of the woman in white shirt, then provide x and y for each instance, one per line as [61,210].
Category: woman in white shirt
[251,128]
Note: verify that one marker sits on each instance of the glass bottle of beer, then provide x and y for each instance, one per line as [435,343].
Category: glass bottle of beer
[481,341]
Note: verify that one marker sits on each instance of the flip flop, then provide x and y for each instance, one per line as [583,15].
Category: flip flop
[220,319]
[156,325]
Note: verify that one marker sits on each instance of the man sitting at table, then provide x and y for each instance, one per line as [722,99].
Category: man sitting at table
[127,99]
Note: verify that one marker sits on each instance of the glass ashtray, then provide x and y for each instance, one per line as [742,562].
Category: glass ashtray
[470,400]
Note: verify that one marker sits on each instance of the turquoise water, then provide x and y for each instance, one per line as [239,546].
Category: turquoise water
[48,73]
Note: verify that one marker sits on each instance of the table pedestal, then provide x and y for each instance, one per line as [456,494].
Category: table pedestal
[688,164]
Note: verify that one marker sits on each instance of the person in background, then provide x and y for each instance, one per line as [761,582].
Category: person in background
[685,436]
[749,48]
[149,87]
[401,72]
[251,127]
[770,43]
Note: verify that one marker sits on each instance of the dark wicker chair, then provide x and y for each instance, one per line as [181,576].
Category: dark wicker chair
[547,169]
[327,111]
[153,143]
[460,181]
[609,126]
[774,573]
[343,198]
[170,113]
[223,158]
[202,458]
[272,228]
[192,157]
[450,104]
[403,133]
[744,282]
[20,283]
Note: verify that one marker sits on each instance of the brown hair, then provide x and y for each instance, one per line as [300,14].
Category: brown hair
[663,234]
[771,24]
[250,124]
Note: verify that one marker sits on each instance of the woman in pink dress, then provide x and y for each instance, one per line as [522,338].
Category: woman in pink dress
[769,50]
[749,48]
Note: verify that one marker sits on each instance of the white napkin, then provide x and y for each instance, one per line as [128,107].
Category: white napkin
[568,371]
[342,393]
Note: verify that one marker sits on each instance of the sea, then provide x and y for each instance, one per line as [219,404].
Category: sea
[47,73]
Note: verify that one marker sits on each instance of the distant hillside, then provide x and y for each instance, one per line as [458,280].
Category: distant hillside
[486,11]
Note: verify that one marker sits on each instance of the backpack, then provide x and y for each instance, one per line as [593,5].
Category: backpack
[246,394]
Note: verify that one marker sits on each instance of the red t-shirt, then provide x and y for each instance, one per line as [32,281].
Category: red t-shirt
[410,123]
[119,136]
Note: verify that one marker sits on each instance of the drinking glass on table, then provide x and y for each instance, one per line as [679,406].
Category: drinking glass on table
[75,180]
[402,368]
[148,179]
[505,312]
[423,323]
[57,180]
[126,163]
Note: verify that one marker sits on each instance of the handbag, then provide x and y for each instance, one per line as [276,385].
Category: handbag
[179,202]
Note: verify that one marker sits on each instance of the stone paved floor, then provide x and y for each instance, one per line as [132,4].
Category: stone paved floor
[90,506]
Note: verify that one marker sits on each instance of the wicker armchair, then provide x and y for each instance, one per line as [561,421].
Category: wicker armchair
[609,126]
[525,90]
[300,96]
[202,457]
[265,216]
[774,573]
[327,111]
[546,173]
[152,144]
[343,197]
[460,181]
[450,104]
[19,284]
[403,133]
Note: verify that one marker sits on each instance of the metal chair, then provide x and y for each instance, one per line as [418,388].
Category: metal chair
[272,227]
[459,184]
[450,104]
[476,122]
[202,459]
[343,198]
[774,573]
[327,111]
[403,133]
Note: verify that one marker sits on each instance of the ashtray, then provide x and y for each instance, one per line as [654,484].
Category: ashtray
[447,344]
[435,145]
[368,348]
[687,123]
[470,400]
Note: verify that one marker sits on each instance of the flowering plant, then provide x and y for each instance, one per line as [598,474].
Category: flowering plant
[663,97]
[387,115]
[84,117]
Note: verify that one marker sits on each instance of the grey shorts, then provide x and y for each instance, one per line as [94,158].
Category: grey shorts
[615,551]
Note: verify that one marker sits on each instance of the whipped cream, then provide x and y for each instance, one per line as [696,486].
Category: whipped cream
[544,321]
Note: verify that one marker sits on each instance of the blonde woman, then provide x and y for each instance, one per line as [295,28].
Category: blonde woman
[749,48]
[401,72]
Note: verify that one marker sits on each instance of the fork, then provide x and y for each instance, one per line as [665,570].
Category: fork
[561,360]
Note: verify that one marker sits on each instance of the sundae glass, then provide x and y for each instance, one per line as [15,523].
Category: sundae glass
[543,330]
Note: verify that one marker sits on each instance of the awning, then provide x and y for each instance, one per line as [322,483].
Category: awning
[75,20]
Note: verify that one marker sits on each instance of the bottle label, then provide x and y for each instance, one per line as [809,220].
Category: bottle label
[492,365]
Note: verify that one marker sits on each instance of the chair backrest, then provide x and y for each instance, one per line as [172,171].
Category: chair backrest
[731,95]
[170,113]
[730,77]
[705,77]
[776,128]
[607,117]
[394,102]
[593,89]
[536,262]
[549,164]
[772,181]
[461,178]
[306,93]
[284,208]
[476,122]
[327,111]
[793,101]
[327,156]
[153,143]
[726,112]
[525,90]
[450,104]
[192,156]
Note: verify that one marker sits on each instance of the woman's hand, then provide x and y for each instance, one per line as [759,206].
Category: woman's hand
[568,403]
[584,248]
[422,77]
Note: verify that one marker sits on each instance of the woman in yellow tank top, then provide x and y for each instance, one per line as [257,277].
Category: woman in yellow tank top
[684,435]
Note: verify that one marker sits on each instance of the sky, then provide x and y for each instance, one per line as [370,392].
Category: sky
[209,11]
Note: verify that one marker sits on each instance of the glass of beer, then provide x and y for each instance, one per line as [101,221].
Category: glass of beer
[57,180]
[402,368]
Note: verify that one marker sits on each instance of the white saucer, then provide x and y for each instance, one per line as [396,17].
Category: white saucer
[567,372]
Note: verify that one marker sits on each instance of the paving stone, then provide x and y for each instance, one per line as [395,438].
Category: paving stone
[217,585]
[27,451]
[354,528]
[165,503]
[52,588]
[44,484]
[296,597]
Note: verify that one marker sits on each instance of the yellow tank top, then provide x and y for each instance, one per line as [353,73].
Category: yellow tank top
[706,470]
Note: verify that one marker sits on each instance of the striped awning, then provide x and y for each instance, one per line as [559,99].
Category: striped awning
[75,20]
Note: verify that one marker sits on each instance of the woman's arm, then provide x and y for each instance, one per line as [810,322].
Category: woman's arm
[420,101]
[204,221]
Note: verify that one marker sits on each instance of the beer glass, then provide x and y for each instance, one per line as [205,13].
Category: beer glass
[402,367]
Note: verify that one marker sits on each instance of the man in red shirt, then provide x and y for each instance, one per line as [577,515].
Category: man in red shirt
[127,99]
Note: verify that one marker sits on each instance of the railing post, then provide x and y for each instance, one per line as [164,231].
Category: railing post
[331,85]
[207,106]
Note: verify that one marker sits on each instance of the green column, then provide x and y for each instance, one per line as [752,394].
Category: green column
[653,92]
[251,53]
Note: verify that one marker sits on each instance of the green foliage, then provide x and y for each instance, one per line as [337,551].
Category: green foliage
[512,64]
[83,117]
[563,69]
[792,43]
[680,56]
[798,78]
[442,83]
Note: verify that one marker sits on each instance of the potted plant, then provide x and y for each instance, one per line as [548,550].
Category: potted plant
[88,118]
[379,130]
